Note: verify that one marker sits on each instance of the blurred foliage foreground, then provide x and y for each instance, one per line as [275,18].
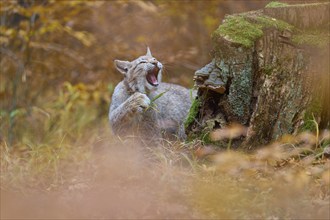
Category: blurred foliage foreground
[58,159]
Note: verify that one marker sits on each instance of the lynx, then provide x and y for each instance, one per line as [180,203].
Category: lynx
[144,106]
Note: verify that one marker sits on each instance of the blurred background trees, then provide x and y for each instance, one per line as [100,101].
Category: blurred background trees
[56,49]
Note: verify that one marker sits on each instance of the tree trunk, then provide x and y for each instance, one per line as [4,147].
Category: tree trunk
[270,73]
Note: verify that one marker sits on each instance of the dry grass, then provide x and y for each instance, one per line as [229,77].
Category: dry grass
[68,165]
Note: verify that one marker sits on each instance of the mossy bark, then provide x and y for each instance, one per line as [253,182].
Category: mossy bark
[269,83]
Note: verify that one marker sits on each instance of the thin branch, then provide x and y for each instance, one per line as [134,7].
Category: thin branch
[59,48]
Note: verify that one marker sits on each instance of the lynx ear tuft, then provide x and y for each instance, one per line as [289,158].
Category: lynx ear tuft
[148,52]
[122,66]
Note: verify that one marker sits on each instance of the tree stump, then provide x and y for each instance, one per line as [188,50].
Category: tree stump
[270,73]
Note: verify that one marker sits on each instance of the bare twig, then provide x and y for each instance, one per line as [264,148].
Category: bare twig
[59,48]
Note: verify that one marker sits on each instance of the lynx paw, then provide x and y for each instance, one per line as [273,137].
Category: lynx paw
[140,102]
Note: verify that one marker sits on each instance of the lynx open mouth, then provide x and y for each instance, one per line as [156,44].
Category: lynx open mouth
[152,76]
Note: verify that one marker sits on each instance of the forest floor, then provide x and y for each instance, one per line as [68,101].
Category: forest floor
[95,175]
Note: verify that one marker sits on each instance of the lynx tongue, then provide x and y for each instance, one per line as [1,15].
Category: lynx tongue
[152,76]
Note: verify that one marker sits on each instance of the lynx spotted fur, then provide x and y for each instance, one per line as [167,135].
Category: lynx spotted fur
[131,111]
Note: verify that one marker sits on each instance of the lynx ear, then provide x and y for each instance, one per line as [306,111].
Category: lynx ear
[122,66]
[148,52]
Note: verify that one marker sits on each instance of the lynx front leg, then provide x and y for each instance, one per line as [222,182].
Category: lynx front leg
[122,116]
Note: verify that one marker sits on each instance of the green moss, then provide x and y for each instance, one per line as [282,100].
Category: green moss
[192,113]
[245,29]
[317,38]
[304,5]
[276,4]
[239,30]
[282,4]
[267,22]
